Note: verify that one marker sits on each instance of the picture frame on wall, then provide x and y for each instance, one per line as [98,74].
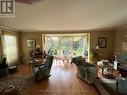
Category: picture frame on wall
[102,42]
[31,43]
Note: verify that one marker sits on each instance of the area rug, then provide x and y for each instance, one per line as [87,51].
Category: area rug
[20,81]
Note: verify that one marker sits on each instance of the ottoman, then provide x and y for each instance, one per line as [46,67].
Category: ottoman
[12,69]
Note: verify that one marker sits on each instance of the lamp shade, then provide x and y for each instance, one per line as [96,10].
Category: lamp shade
[97,47]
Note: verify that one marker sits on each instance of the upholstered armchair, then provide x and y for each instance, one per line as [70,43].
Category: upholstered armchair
[85,71]
[3,67]
[42,71]
[121,58]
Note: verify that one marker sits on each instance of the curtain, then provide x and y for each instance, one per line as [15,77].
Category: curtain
[10,48]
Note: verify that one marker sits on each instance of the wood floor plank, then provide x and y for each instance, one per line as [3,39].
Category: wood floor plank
[63,81]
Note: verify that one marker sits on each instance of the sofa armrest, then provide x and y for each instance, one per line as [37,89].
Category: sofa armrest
[90,64]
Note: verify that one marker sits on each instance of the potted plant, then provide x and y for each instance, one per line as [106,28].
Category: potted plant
[94,56]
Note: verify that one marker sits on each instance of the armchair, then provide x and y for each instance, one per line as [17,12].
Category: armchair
[85,70]
[42,71]
[3,67]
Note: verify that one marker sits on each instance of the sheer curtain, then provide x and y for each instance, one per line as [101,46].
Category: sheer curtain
[10,48]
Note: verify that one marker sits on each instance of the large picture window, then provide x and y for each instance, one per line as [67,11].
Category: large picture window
[67,45]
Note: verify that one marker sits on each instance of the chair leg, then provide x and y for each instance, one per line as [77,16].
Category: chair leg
[30,68]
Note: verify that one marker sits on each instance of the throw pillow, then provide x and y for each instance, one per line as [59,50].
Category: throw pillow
[77,60]
[83,62]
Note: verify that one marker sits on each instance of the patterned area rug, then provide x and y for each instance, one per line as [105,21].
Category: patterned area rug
[22,83]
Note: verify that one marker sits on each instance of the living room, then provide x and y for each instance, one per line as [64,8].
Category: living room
[95,26]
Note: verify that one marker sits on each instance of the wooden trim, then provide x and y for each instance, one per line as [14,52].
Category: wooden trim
[3,32]
[0,45]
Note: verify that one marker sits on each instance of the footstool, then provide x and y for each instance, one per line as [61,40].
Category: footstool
[12,69]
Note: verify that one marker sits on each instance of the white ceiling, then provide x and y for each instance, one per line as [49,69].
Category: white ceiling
[61,15]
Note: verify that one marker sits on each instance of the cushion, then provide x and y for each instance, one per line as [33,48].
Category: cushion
[122,86]
[123,65]
[3,61]
[111,87]
[78,61]
[83,62]
[121,58]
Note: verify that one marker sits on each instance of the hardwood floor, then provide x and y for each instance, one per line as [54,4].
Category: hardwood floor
[63,81]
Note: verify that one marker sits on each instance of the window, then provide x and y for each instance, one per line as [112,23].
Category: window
[67,44]
[10,49]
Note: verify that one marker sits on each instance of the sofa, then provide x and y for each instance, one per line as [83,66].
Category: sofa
[85,71]
[3,67]
[121,58]
[117,86]
[42,71]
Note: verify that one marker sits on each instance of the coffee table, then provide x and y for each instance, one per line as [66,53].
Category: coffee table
[108,71]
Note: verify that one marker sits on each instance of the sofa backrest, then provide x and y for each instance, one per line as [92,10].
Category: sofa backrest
[3,60]
[78,61]
[121,58]
[49,61]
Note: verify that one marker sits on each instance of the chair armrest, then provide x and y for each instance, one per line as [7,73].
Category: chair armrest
[38,65]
